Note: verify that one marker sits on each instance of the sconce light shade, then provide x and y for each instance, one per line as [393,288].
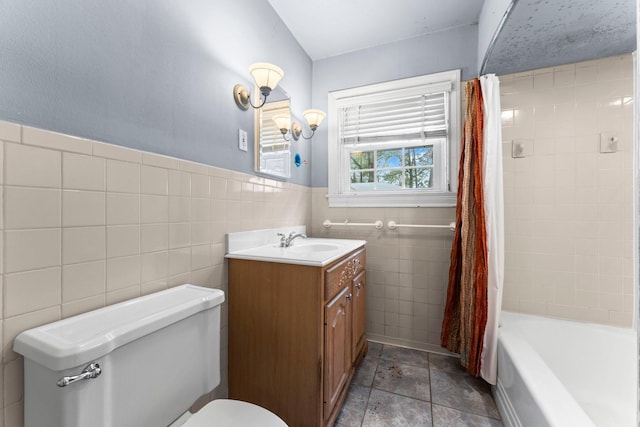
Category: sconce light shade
[283,121]
[266,76]
[314,118]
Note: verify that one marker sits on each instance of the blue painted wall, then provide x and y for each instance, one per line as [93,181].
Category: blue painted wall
[447,50]
[155,75]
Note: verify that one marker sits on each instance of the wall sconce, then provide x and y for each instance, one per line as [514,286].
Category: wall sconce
[266,77]
[283,121]
[313,118]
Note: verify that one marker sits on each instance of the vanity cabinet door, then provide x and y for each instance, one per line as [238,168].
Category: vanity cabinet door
[337,348]
[359,315]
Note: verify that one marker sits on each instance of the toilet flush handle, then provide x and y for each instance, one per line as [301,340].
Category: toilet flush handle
[92,370]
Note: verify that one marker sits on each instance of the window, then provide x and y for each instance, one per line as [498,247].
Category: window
[395,143]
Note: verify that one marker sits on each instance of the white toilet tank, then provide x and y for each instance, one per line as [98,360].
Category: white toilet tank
[157,354]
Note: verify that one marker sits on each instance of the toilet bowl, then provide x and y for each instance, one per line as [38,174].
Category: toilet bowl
[233,413]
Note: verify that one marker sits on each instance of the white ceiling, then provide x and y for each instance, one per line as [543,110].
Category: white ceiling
[327,28]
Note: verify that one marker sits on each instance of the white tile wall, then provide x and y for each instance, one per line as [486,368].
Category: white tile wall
[568,207]
[84,224]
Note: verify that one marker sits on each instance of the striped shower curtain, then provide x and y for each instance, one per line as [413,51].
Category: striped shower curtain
[474,292]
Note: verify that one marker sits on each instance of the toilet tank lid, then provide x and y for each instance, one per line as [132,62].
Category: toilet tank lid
[83,338]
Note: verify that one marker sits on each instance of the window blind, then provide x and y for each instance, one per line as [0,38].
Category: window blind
[396,117]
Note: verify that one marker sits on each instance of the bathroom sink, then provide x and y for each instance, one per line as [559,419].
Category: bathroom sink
[312,247]
[312,251]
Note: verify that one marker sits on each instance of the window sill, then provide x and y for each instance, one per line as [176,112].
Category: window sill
[412,200]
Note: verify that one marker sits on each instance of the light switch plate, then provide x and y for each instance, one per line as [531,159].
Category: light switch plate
[242,140]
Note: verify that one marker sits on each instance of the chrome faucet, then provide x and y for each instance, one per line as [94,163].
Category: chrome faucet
[286,241]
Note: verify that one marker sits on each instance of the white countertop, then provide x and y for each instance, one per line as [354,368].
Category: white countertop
[315,252]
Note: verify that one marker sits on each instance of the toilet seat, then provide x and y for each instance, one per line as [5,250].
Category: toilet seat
[233,413]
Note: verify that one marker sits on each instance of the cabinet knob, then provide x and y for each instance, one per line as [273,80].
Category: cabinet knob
[359,286]
[350,297]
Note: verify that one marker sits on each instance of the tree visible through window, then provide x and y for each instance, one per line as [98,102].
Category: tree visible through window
[392,169]
[392,144]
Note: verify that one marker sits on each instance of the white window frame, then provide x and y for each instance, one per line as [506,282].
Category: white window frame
[341,195]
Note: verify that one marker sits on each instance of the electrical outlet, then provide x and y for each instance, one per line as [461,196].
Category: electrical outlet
[242,140]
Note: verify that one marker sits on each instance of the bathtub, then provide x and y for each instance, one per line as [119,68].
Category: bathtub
[562,374]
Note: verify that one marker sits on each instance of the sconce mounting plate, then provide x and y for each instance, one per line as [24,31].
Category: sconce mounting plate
[241,96]
[296,130]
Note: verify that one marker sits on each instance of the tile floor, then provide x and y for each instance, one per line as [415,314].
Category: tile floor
[395,386]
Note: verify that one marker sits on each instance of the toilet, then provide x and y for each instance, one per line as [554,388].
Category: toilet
[141,362]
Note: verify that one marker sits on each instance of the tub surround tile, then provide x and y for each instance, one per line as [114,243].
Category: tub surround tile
[591,195]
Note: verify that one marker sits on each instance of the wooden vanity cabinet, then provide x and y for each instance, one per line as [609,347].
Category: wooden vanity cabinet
[296,334]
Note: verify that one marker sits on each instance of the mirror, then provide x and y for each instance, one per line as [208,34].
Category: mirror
[273,153]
